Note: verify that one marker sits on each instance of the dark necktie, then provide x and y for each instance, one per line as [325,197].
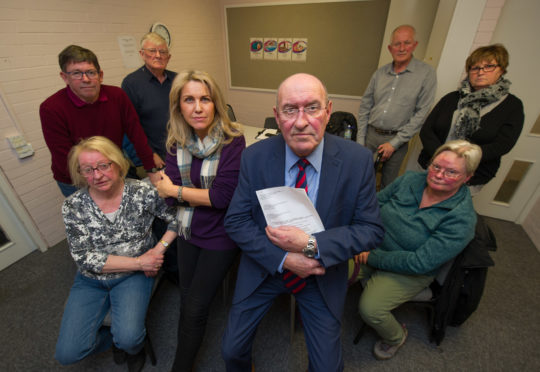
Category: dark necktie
[292,281]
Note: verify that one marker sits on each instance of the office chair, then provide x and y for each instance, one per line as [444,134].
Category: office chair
[230,113]
[270,123]
[458,287]
[343,124]
[426,298]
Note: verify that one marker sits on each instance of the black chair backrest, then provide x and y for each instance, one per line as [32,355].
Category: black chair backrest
[270,123]
[230,113]
[339,121]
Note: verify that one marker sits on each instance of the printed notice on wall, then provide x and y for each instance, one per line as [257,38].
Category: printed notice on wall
[270,48]
[284,48]
[256,48]
[299,50]
[129,51]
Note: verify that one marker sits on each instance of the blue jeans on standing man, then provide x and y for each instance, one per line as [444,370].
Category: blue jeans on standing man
[81,331]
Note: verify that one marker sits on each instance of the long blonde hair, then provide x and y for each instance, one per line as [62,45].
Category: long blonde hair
[178,129]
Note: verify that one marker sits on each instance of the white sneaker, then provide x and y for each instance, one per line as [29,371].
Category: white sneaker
[383,351]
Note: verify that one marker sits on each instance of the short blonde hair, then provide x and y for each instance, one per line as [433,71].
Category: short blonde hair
[102,145]
[178,129]
[154,38]
[464,149]
[486,53]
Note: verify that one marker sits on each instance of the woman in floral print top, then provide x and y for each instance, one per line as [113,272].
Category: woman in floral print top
[109,233]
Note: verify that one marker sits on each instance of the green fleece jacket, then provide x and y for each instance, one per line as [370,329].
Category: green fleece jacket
[419,241]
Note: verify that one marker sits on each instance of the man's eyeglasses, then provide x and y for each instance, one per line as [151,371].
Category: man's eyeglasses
[292,112]
[89,171]
[486,68]
[78,75]
[448,173]
[153,52]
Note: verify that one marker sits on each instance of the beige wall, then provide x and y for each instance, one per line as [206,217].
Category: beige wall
[33,32]
[252,107]
[420,14]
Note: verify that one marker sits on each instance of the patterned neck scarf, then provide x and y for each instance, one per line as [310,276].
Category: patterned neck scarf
[209,149]
[471,102]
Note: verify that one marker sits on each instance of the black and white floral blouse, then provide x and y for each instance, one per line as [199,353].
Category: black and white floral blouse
[92,236]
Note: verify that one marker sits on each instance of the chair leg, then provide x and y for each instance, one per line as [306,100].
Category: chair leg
[360,333]
[431,315]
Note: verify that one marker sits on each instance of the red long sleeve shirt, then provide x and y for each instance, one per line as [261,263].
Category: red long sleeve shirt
[66,119]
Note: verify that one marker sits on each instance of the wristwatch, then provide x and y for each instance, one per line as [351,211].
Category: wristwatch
[310,250]
[164,243]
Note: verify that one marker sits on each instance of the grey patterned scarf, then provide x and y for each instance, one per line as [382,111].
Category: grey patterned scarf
[209,149]
[471,102]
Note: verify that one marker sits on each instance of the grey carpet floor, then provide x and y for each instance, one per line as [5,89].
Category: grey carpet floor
[502,335]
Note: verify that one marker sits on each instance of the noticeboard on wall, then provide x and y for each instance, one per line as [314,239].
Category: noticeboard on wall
[339,42]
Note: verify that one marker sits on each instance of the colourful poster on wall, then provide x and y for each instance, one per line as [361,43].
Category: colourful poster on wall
[270,48]
[299,50]
[284,49]
[256,48]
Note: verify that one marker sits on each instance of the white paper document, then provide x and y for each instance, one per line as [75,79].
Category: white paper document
[287,206]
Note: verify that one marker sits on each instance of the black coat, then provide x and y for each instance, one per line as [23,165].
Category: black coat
[462,290]
[499,130]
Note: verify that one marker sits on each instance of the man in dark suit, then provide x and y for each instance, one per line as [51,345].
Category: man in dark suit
[285,259]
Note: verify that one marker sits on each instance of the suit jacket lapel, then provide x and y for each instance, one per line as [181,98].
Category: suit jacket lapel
[330,171]
[275,168]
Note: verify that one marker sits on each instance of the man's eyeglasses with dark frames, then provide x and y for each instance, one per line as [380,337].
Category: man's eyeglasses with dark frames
[78,75]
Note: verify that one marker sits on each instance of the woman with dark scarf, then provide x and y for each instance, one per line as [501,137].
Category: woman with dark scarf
[201,174]
[482,112]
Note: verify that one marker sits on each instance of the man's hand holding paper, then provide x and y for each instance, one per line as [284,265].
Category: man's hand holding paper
[288,238]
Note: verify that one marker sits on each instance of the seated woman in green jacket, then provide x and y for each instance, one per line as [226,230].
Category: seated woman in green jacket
[429,219]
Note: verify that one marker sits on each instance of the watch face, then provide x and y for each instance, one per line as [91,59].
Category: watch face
[161,30]
[309,252]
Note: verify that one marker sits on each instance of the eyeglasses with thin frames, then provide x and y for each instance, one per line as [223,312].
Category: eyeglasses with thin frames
[292,112]
[78,75]
[153,52]
[448,173]
[486,68]
[89,171]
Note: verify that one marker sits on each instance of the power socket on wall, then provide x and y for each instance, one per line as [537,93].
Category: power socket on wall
[21,147]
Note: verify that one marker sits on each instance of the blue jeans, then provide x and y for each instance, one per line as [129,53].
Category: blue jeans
[81,331]
[66,189]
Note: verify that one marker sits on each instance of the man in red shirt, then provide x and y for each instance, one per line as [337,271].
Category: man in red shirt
[86,108]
